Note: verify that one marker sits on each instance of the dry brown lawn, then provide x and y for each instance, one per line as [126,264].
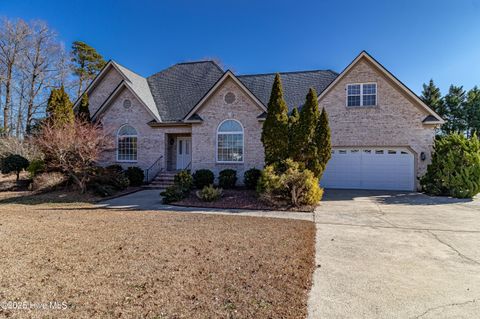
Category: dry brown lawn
[129,264]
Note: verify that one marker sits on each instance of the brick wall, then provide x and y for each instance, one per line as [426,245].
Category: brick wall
[395,121]
[102,90]
[151,141]
[213,113]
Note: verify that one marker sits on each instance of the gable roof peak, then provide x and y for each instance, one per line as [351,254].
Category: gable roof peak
[364,55]
[222,79]
[124,68]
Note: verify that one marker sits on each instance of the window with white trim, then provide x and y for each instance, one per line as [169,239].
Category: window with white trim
[230,142]
[363,94]
[127,144]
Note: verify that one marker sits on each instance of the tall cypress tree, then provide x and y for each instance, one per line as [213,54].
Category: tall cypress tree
[83,111]
[305,133]
[275,127]
[60,108]
[323,143]
[292,132]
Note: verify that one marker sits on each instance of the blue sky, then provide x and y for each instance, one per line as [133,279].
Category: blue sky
[415,40]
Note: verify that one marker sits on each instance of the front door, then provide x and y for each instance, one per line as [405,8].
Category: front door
[184,152]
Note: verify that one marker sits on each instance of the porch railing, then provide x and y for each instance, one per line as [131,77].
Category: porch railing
[154,169]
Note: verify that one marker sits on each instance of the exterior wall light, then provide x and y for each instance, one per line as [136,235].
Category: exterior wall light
[423,156]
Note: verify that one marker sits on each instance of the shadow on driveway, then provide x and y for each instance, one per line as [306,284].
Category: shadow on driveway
[390,197]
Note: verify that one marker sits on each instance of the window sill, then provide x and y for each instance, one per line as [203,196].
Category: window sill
[229,163]
[120,161]
[362,107]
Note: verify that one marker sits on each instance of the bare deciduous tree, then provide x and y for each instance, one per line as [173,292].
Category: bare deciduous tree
[73,149]
[13,42]
[43,52]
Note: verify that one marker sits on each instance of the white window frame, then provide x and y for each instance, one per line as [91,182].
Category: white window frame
[361,94]
[117,144]
[233,133]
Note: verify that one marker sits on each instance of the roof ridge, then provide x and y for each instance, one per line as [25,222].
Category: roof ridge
[198,61]
[184,63]
[128,69]
[202,61]
[289,72]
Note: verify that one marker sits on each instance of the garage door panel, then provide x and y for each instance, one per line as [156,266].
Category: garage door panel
[390,169]
[341,169]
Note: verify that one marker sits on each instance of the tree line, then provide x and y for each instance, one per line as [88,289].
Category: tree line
[459,108]
[33,62]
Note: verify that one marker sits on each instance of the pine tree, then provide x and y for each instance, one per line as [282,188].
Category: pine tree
[472,108]
[275,127]
[433,98]
[292,131]
[323,144]
[83,110]
[305,133]
[60,108]
[87,62]
[455,115]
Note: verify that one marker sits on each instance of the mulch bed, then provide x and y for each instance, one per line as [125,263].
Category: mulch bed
[238,199]
[130,264]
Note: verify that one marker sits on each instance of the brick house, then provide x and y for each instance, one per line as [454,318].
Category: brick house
[195,115]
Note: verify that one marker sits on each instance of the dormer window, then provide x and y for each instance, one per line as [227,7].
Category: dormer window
[362,94]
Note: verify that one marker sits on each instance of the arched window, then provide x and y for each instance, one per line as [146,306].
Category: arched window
[127,144]
[230,142]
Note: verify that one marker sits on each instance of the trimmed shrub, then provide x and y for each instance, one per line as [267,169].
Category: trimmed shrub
[227,178]
[120,181]
[48,181]
[184,181]
[135,175]
[182,184]
[116,181]
[301,186]
[14,163]
[202,178]
[295,186]
[172,194]
[251,177]
[103,190]
[114,168]
[36,167]
[269,182]
[455,167]
[209,193]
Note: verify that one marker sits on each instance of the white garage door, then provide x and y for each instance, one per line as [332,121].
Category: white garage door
[370,168]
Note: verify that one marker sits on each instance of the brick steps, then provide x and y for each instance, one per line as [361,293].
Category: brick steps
[162,180]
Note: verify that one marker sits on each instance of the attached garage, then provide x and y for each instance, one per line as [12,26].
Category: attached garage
[370,168]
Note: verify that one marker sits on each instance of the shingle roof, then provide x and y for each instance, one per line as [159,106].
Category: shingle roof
[177,89]
[140,86]
[170,94]
[295,85]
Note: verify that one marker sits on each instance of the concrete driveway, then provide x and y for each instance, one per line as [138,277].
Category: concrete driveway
[396,255]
